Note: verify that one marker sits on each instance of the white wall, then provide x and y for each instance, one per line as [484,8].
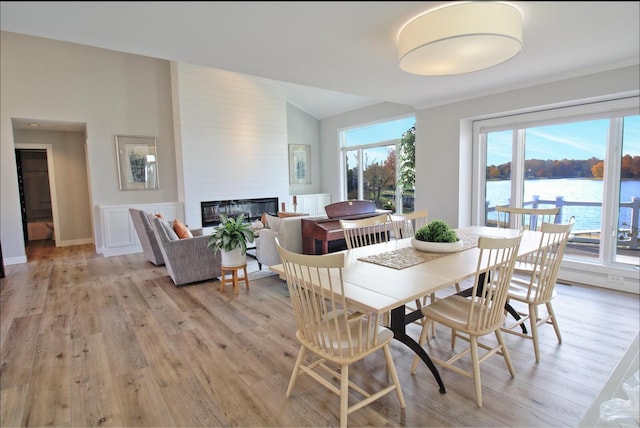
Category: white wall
[231,142]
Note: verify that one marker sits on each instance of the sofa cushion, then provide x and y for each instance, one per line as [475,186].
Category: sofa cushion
[181,230]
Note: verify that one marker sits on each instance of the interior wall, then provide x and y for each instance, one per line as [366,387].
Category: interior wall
[112,92]
[231,137]
[302,128]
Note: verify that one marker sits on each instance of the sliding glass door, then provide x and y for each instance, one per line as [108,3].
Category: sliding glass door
[584,160]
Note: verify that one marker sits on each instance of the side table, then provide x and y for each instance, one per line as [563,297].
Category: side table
[233,278]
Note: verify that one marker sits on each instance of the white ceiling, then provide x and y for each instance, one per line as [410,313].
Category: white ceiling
[333,57]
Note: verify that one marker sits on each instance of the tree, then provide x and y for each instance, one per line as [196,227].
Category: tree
[407,160]
[378,176]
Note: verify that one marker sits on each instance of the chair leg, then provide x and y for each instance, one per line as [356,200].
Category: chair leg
[423,338]
[475,361]
[505,353]
[344,394]
[454,334]
[394,375]
[296,371]
[554,321]
[533,321]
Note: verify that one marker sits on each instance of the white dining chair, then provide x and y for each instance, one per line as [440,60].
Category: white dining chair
[534,285]
[479,315]
[335,335]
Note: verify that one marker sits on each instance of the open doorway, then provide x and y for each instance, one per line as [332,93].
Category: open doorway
[35,194]
[66,190]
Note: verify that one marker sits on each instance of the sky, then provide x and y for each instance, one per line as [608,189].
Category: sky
[580,140]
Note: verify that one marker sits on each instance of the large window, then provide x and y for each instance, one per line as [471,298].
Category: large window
[585,160]
[373,162]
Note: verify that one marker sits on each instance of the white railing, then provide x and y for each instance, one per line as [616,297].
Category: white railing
[628,236]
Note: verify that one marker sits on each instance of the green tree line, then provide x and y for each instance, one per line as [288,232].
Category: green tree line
[566,168]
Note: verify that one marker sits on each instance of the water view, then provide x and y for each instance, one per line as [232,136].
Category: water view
[571,190]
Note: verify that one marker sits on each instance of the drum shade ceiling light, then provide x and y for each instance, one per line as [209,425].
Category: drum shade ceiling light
[460,38]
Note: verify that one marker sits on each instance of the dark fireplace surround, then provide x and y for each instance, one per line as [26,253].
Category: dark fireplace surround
[251,208]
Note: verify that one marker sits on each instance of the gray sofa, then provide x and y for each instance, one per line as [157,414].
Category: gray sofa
[187,260]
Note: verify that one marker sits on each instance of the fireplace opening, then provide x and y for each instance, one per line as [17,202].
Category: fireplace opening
[251,208]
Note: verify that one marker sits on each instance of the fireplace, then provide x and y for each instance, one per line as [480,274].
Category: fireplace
[251,208]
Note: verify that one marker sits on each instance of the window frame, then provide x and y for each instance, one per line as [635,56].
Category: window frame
[614,109]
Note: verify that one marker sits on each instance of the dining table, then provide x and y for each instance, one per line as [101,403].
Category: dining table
[385,277]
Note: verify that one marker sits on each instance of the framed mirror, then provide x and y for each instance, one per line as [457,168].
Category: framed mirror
[137,162]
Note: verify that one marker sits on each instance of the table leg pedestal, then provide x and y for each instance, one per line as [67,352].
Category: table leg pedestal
[399,321]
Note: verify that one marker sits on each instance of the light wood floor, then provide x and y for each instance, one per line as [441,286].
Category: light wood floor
[93,341]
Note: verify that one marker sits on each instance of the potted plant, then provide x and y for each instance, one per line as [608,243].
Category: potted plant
[231,237]
[436,237]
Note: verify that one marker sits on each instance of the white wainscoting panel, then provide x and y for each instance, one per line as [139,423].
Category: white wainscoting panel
[119,234]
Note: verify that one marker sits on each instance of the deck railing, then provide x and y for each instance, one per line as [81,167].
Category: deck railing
[628,237]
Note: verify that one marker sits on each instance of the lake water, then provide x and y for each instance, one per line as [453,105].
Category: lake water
[572,190]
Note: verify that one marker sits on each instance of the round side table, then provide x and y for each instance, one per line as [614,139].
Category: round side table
[230,277]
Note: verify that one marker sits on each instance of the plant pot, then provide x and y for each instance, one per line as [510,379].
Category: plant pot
[233,258]
[437,247]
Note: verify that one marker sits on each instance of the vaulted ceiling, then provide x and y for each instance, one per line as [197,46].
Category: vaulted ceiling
[332,57]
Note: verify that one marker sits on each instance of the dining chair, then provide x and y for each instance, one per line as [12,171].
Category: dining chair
[525,218]
[333,333]
[480,315]
[366,231]
[534,284]
[405,225]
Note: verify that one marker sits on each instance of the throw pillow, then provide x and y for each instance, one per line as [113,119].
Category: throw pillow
[273,223]
[181,230]
[171,234]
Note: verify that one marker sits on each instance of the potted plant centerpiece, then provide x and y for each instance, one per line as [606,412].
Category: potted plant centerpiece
[436,237]
[231,237]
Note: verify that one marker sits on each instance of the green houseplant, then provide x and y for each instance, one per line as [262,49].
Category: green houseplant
[231,237]
[436,237]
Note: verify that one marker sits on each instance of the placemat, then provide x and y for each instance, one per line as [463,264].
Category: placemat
[407,257]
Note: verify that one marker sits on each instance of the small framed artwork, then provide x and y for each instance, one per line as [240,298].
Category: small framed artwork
[299,164]
[137,162]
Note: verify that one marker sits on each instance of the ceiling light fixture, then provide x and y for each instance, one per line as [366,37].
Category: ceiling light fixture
[460,38]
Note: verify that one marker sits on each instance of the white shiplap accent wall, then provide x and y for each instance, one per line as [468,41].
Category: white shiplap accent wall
[230,137]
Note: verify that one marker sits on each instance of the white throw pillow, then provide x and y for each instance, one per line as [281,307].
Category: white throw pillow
[273,223]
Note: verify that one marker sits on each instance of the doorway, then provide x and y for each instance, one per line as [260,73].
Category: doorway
[36,205]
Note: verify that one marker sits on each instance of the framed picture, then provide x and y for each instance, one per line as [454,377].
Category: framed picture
[137,162]
[299,164]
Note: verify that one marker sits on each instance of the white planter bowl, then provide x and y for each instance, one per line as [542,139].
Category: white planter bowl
[233,258]
[437,247]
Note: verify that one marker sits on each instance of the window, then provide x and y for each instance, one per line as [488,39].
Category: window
[371,170]
[584,159]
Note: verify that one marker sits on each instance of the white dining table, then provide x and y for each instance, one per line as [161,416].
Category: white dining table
[377,288]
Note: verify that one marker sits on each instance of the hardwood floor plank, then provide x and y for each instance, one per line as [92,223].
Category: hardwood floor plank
[18,351]
[92,390]
[141,401]
[94,341]
[49,395]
